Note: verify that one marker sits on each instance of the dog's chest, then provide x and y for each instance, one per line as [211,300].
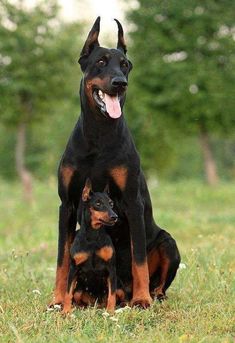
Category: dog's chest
[95,263]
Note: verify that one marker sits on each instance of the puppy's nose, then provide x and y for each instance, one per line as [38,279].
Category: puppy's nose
[114,217]
[119,81]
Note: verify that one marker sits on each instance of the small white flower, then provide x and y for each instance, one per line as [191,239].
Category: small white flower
[193,89]
[182,266]
[122,309]
[50,309]
[36,291]
[114,319]
[57,307]
[105,314]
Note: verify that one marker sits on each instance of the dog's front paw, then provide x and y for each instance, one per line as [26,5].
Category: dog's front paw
[142,302]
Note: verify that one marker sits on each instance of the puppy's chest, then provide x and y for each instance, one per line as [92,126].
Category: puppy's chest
[98,259]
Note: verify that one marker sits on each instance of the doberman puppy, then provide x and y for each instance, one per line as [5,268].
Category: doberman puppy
[92,265]
[101,148]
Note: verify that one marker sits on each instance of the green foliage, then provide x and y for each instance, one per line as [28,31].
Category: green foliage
[200,305]
[184,72]
[39,82]
[37,57]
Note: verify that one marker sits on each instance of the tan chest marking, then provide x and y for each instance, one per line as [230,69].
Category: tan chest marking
[105,253]
[119,175]
[80,257]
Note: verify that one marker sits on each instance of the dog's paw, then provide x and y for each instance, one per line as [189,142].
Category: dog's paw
[143,302]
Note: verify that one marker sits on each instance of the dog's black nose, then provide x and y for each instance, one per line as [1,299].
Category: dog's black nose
[119,81]
[114,216]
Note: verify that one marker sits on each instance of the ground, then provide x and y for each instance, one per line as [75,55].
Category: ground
[201,301]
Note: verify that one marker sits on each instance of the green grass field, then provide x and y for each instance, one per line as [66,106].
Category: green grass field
[201,301]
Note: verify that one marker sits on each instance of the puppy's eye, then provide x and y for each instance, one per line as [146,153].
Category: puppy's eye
[111,203]
[98,204]
[124,64]
[102,62]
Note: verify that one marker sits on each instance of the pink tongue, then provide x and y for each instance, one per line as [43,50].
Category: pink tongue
[112,106]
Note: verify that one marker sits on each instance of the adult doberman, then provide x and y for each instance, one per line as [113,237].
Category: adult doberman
[101,148]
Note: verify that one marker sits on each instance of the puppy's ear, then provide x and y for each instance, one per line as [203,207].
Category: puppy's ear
[86,193]
[106,189]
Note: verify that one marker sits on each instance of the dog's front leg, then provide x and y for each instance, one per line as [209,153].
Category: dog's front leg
[129,186]
[70,289]
[112,286]
[141,296]
[67,224]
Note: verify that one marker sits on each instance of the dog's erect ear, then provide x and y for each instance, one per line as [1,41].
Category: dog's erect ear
[87,190]
[106,189]
[121,45]
[91,42]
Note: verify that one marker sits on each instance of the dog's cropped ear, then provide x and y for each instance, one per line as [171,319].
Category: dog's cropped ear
[87,190]
[106,189]
[121,45]
[90,44]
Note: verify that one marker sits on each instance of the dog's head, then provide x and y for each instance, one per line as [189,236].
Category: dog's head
[105,73]
[100,207]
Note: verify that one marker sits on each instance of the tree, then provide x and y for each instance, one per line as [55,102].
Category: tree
[37,53]
[184,78]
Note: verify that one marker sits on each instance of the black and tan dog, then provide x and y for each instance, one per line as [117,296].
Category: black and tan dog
[93,269]
[102,149]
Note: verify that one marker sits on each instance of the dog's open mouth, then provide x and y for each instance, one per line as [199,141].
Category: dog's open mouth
[108,104]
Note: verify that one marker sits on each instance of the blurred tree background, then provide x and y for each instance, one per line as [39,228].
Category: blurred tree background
[180,103]
[182,98]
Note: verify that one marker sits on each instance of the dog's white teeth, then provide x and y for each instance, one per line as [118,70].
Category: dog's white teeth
[101,94]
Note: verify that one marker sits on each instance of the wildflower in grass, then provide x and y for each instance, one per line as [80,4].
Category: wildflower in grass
[36,291]
[182,266]
[120,310]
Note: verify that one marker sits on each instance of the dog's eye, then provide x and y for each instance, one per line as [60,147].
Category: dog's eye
[101,62]
[111,203]
[124,64]
[98,203]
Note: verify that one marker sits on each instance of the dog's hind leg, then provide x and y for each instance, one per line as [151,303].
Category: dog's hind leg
[163,262]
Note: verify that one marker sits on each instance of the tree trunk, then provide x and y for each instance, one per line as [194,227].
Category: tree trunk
[209,161]
[22,171]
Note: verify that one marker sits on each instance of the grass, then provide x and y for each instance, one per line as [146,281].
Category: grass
[200,305]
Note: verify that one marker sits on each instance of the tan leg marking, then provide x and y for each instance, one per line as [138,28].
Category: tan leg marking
[140,273]
[87,299]
[77,297]
[164,264]
[153,259]
[61,277]
[111,302]
[68,298]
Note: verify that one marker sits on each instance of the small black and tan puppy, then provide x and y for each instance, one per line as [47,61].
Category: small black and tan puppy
[92,253]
